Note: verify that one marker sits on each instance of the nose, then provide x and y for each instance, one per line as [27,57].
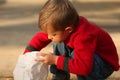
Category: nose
[49,37]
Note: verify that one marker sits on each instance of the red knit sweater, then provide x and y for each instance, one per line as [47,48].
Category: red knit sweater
[86,40]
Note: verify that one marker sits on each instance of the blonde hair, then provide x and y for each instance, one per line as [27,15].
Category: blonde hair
[59,14]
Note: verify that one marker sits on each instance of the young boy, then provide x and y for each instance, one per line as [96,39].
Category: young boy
[80,47]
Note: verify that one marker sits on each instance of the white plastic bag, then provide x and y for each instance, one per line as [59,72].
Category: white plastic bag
[28,69]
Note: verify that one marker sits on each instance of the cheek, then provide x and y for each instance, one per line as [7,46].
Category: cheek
[64,36]
[59,38]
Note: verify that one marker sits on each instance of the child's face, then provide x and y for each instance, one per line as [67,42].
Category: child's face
[57,36]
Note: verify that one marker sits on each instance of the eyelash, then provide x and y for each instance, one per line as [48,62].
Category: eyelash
[54,34]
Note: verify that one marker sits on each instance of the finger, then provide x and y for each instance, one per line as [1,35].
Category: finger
[39,60]
[39,57]
[41,54]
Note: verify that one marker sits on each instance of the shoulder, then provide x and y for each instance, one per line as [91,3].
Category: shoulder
[86,29]
[86,32]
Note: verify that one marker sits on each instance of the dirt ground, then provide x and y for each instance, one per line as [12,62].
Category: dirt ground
[18,23]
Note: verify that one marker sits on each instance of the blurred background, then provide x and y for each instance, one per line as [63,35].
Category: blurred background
[19,22]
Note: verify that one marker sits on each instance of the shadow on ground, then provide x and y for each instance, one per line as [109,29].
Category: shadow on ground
[15,11]
[2,2]
[99,11]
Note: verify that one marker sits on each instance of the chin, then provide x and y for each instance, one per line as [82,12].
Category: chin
[58,41]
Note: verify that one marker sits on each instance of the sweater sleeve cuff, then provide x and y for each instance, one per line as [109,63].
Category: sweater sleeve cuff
[66,62]
[62,63]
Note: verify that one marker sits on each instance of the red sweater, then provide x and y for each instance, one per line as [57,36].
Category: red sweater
[86,40]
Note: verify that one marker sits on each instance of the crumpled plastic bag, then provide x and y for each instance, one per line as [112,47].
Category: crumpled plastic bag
[28,69]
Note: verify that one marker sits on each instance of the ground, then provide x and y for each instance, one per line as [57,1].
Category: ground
[19,22]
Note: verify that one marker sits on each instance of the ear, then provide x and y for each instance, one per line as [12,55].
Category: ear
[69,29]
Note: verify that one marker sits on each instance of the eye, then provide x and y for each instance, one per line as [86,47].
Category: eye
[54,34]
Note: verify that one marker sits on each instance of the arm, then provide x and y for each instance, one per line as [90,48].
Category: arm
[84,50]
[83,58]
[39,41]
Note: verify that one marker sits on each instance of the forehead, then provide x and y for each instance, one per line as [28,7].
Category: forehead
[50,30]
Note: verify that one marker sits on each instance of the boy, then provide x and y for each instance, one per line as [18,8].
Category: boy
[80,47]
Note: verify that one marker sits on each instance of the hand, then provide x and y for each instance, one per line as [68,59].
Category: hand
[47,58]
